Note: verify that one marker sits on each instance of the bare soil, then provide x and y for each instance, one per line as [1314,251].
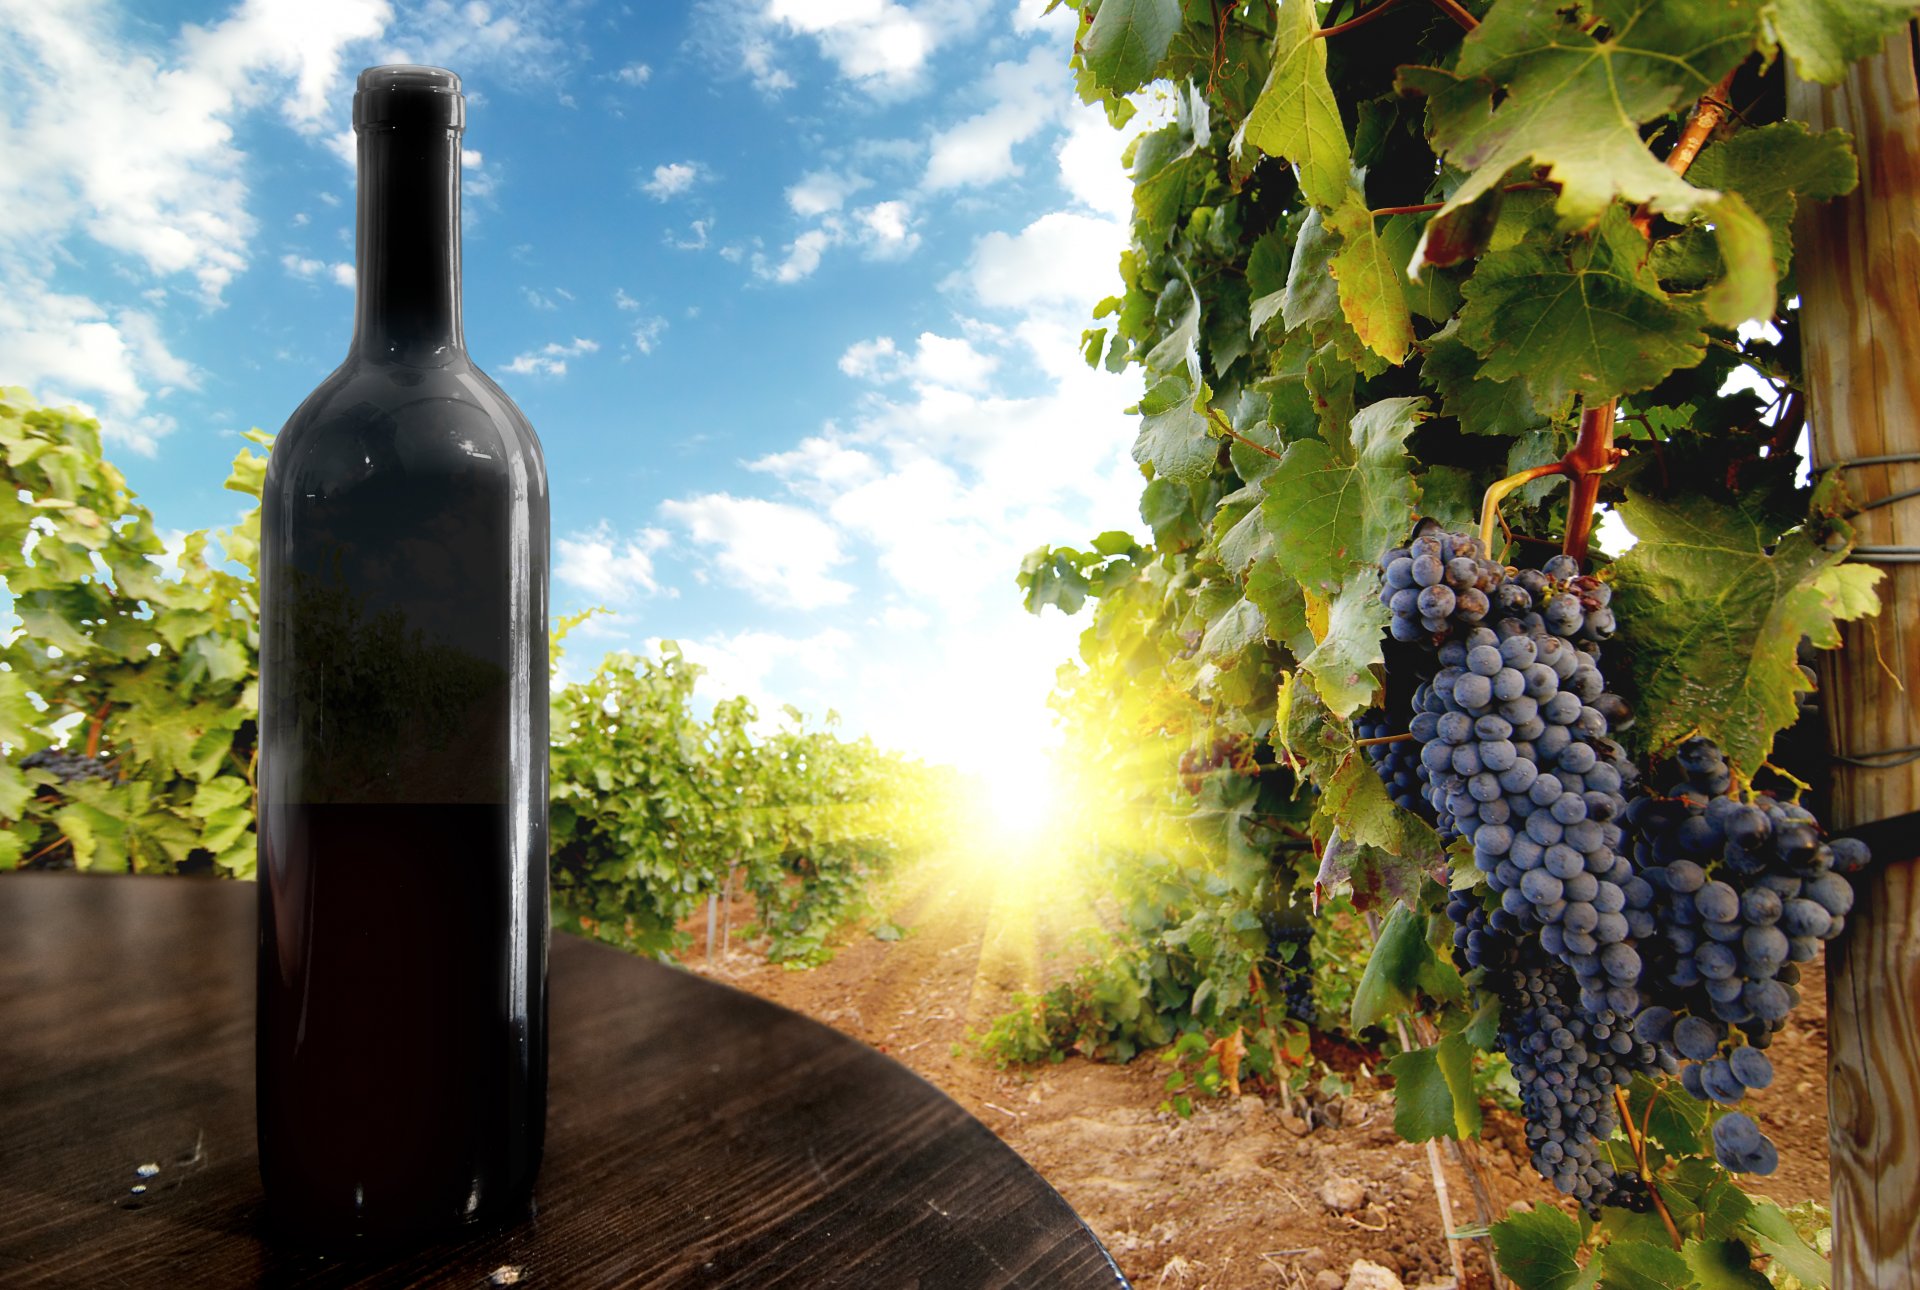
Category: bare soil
[1244,1193]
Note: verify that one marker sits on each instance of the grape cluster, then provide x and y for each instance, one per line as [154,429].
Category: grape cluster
[1745,892]
[1514,752]
[70,766]
[1511,720]
[1290,947]
[1196,764]
[1397,763]
[1605,892]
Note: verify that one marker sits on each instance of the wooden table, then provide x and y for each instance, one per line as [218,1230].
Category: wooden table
[697,1136]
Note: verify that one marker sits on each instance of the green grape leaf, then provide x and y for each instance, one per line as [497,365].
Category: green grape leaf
[1713,620]
[1823,36]
[1744,292]
[1768,1226]
[1233,632]
[1450,495]
[1771,168]
[1282,605]
[16,790]
[1671,1117]
[1174,436]
[1240,532]
[1296,117]
[1165,167]
[1537,1250]
[1587,317]
[1127,41]
[1433,1095]
[1371,276]
[1342,664]
[1480,405]
[18,715]
[1052,577]
[1723,1265]
[13,848]
[1639,1265]
[1334,508]
[1353,797]
[1401,968]
[1575,104]
[1267,276]
[1437,295]
[1311,298]
[1704,1199]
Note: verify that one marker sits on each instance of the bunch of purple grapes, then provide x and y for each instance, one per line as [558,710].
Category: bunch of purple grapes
[68,767]
[1746,891]
[1604,888]
[1511,719]
[1512,728]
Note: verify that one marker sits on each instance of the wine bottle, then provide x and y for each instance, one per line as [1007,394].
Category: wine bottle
[402,1021]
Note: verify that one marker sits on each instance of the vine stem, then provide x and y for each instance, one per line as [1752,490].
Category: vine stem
[1708,113]
[1592,456]
[1490,504]
[1213,414]
[1359,20]
[93,727]
[1593,453]
[1453,10]
[1421,208]
[1637,1139]
[1383,739]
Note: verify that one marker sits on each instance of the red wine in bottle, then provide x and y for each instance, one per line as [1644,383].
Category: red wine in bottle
[402,1024]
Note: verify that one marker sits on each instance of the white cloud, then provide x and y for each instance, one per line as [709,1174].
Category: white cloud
[135,146]
[624,301]
[1089,160]
[780,554]
[546,304]
[635,74]
[1063,257]
[345,275]
[647,333]
[869,358]
[671,179]
[744,663]
[551,359]
[821,191]
[949,361]
[1028,97]
[877,44]
[803,254]
[882,231]
[71,349]
[696,238]
[301,267]
[885,231]
[609,568]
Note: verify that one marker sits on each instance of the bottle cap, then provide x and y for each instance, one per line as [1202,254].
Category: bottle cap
[402,94]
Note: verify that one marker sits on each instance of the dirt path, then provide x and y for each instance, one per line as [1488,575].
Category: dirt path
[1240,1195]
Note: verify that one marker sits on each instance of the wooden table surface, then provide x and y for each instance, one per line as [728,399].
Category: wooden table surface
[697,1136]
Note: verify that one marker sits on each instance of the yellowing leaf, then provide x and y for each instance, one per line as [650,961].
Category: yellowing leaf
[1296,117]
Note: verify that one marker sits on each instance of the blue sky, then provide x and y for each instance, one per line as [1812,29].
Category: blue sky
[790,289]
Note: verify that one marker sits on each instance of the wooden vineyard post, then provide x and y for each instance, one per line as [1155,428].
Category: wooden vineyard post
[1858,266]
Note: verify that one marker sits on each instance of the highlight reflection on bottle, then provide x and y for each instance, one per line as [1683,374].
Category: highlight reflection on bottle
[401,1032]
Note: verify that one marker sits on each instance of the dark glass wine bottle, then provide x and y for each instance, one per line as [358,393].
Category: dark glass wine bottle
[402,1031]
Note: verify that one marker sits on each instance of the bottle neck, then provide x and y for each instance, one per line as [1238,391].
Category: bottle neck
[407,302]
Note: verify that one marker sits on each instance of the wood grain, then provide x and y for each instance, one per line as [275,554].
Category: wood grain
[1859,274]
[697,1136]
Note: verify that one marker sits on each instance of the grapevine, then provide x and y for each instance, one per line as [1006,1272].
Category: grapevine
[1444,284]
